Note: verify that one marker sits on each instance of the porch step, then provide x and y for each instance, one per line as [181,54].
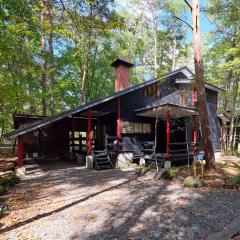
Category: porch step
[102,160]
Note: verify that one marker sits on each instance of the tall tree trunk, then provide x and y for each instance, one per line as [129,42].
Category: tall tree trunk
[226,100]
[174,52]
[234,137]
[233,110]
[44,61]
[84,74]
[51,57]
[32,103]
[155,41]
[199,85]
[86,58]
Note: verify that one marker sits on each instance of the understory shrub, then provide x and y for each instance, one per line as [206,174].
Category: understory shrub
[237,179]
[192,182]
[7,181]
[233,182]
[169,174]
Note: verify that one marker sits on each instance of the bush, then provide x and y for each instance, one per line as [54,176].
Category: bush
[237,180]
[169,174]
[192,182]
[6,181]
[2,190]
[233,182]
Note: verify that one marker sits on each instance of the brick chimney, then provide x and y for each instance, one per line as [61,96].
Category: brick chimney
[122,73]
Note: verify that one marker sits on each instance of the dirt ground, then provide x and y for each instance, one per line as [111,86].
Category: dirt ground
[60,200]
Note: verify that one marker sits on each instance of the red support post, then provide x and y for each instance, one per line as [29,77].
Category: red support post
[119,122]
[168,134]
[89,140]
[20,151]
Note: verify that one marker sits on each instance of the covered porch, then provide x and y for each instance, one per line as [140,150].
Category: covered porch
[176,130]
[105,134]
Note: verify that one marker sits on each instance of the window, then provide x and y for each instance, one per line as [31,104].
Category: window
[138,128]
[183,98]
[126,127]
[133,127]
[152,91]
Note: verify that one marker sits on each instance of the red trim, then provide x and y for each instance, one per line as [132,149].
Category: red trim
[89,140]
[119,121]
[20,151]
[168,134]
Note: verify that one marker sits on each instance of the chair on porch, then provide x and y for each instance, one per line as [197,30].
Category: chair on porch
[152,158]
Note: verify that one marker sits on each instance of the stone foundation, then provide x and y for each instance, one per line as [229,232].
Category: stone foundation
[124,160]
[89,161]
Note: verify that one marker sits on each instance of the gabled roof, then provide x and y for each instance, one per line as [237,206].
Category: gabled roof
[207,85]
[84,107]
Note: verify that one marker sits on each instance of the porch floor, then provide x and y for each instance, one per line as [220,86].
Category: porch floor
[59,200]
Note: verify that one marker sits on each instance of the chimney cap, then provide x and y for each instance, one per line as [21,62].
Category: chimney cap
[123,61]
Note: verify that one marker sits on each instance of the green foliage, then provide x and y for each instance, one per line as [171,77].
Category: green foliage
[2,190]
[237,179]
[6,181]
[87,36]
[192,182]
[169,174]
[233,182]
[9,180]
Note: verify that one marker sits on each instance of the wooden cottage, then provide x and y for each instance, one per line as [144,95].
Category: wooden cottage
[158,116]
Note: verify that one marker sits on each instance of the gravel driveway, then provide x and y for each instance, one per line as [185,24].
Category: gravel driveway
[59,200]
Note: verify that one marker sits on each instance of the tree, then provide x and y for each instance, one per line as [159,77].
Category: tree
[224,57]
[44,57]
[51,56]
[199,85]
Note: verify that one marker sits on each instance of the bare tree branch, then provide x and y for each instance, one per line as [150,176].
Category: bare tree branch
[188,4]
[183,21]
